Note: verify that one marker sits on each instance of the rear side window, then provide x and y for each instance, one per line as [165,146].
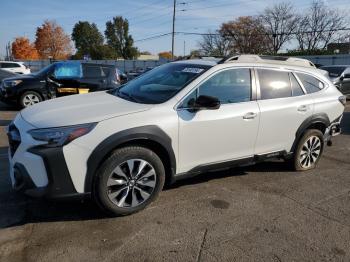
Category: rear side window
[274,84]
[93,71]
[296,88]
[310,83]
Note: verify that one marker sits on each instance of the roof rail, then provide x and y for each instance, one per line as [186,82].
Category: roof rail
[283,60]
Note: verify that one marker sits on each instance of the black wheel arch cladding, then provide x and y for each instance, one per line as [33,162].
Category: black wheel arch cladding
[150,133]
[320,118]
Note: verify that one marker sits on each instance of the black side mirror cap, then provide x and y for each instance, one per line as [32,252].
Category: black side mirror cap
[205,103]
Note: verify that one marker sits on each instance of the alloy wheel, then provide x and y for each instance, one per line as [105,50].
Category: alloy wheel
[131,183]
[310,152]
[30,99]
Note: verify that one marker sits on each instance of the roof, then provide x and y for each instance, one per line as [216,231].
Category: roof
[276,60]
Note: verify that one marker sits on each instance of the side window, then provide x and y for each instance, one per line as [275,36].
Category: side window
[296,88]
[274,84]
[9,65]
[67,70]
[310,83]
[93,71]
[106,71]
[229,86]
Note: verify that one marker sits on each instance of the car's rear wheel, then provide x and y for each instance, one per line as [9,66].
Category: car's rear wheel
[309,150]
[129,180]
[30,98]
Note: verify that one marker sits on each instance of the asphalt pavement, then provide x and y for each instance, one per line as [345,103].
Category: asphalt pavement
[259,213]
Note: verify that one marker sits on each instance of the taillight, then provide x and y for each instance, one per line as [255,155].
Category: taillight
[342,99]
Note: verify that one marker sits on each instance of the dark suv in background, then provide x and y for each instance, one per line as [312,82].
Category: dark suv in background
[340,76]
[60,79]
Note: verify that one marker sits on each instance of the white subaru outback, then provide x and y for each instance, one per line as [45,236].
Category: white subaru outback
[180,119]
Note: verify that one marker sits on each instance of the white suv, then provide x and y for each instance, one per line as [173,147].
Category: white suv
[180,119]
[14,67]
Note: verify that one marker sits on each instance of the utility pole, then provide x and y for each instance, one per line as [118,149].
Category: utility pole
[173,32]
[184,48]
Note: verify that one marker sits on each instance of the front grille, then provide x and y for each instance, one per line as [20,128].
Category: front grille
[14,138]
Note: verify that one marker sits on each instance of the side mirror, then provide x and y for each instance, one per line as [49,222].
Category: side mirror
[205,103]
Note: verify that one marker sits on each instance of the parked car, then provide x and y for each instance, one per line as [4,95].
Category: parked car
[139,71]
[6,74]
[60,79]
[14,67]
[340,76]
[180,119]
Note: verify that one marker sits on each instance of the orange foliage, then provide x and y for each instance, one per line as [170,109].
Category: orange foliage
[166,55]
[23,49]
[52,41]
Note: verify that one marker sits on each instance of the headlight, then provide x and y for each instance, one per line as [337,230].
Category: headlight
[60,136]
[12,83]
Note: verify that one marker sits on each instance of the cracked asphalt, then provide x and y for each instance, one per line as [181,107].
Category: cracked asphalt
[257,213]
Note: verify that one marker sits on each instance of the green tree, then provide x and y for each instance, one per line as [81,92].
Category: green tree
[87,38]
[118,38]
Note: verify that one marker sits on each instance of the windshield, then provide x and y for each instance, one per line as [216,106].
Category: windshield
[334,71]
[161,83]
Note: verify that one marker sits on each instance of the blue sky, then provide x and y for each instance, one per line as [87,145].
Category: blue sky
[146,17]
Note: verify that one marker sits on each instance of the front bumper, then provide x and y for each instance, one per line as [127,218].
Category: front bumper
[36,170]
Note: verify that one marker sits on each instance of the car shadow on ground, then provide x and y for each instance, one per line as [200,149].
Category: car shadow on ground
[18,209]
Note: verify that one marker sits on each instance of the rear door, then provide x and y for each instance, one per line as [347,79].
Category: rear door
[94,78]
[283,107]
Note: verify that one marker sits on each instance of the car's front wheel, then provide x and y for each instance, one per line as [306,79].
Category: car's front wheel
[309,150]
[129,180]
[30,98]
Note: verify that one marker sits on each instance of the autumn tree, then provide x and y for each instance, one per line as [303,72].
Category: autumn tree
[214,44]
[119,39]
[52,41]
[280,22]
[88,40]
[23,49]
[318,27]
[165,55]
[247,35]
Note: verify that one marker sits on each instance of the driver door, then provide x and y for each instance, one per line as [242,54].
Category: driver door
[210,137]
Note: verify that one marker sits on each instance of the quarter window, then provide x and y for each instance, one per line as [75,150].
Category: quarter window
[274,84]
[310,83]
[229,86]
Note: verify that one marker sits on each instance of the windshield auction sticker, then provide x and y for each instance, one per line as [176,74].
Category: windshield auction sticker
[192,70]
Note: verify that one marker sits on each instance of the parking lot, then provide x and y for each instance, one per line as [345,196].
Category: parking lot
[258,213]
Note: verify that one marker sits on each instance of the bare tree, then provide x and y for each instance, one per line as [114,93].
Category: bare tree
[318,27]
[279,21]
[246,34]
[214,44]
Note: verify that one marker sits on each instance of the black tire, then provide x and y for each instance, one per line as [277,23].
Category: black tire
[31,94]
[102,193]
[299,162]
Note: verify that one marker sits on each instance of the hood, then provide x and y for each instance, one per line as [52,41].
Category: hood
[21,77]
[79,109]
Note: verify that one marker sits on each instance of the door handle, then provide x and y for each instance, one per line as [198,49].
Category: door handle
[303,108]
[250,115]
